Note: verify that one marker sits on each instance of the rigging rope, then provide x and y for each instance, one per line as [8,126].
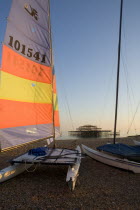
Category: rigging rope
[129,87]
[133,118]
[67,107]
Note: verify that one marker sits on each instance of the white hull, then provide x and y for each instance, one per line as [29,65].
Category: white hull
[73,171]
[112,160]
[12,171]
[136,142]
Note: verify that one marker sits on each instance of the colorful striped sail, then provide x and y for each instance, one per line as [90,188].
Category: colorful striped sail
[28,98]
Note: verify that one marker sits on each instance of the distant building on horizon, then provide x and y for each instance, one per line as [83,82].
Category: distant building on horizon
[91,131]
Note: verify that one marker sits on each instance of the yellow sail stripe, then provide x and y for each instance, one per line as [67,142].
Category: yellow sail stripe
[19,89]
[55,101]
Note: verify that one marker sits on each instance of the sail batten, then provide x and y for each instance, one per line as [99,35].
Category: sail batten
[28,96]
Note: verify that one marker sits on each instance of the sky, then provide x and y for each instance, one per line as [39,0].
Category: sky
[85,41]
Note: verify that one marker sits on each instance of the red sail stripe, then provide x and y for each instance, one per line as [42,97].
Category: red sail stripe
[14,113]
[20,66]
[56,119]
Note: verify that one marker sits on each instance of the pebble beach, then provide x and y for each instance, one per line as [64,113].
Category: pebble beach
[98,186]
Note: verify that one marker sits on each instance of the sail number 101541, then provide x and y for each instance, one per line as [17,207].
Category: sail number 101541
[26,51]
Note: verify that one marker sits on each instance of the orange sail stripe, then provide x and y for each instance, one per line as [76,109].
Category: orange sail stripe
[56,119]
[20,66]
[14,113]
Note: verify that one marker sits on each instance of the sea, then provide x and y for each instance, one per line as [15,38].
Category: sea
[66,137]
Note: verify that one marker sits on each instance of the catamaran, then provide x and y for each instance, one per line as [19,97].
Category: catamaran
[28,96]
[117,155]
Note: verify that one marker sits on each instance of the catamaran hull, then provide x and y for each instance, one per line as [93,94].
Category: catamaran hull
[12,171]
[111,160]
[73,171]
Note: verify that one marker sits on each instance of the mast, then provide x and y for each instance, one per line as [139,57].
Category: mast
[118,70]
[52,66]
